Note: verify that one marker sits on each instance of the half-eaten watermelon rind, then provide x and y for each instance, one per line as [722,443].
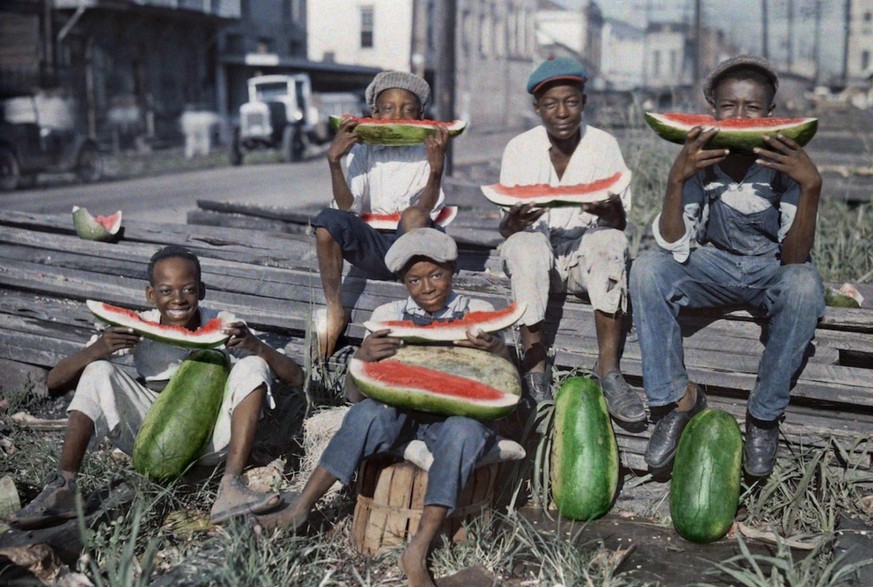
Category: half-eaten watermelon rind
[390,221]
[548,196]
[452,330]
[209,335]
[397,133]
[739,135]
[96,228]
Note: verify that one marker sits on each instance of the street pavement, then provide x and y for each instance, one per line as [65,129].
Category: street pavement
[168,197]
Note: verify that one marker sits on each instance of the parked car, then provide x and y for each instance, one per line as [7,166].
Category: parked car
[284,113]
[33,142]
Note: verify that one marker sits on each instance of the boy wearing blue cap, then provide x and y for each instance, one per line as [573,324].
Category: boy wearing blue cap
[573,249]
[752,218]
[379,180]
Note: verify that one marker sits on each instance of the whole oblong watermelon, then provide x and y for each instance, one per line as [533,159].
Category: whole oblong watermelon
[180,422]
[705,488]
[446,380]
[584,466]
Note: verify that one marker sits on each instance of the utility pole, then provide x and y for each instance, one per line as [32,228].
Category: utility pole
[847,15]
[817,41]
[417,60]
[445,69]
[764,32]
[698,44]
[48,76]
[790,40]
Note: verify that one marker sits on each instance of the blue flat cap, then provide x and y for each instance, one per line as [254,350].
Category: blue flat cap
[562,68]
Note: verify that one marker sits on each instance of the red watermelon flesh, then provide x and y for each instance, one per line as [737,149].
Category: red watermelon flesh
[400,374]
[406,121]
[564,195]
[209,335]
[451,330]
[706,120]
[390,221]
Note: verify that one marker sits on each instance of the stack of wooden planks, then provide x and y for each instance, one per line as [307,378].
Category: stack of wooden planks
[270,279]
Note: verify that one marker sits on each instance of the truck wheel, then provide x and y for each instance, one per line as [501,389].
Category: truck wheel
[89,165]
[234,152]
[292,147]
[10,172]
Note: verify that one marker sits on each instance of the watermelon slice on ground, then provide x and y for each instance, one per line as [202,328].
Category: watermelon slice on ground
[96,228]
[389,221]
[207,336]
[451,381]
[564,195]
[397,133]
[451,330]
[740,135]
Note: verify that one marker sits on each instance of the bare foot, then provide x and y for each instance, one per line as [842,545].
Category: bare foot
[329,332]
[236,499]
[414,567]
[290,516]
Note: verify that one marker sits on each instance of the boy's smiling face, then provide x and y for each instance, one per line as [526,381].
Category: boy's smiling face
[176,292]
[397,104]
[429,283]
[560,107]
[741,98]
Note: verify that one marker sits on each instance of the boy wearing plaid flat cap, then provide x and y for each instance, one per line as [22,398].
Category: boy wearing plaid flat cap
[574,249]
[377,180]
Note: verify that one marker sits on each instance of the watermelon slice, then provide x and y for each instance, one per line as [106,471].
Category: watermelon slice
[740,135]
[397,133]
[96,228]
[453,329]
[207,336]
[553,196]
[390,221]
[451,381]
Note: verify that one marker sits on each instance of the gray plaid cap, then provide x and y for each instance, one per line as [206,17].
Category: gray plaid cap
[425,242]
[387,80]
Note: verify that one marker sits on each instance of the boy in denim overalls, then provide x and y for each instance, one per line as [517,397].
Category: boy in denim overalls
[753,219]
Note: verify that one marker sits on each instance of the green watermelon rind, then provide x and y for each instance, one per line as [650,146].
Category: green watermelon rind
[181,421]
[445,331]
[737,141]
[584,459]
[707,476]
[396,135]
[484,367]
[492,193]
[88,228]
[159,333]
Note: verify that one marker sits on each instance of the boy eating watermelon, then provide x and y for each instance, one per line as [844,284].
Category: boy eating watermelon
[752,218]
[109,402]
[424,260]
[576,248]
[378,179]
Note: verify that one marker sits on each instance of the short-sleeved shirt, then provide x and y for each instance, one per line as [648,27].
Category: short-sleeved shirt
[750,217]
[157,361]
[456,306]
[526,161]
[385,180]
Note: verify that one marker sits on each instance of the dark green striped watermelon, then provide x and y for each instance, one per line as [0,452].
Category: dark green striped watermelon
[707,471]
[396,133]
[740,135]
[180,423]
[584,466]
[451,381]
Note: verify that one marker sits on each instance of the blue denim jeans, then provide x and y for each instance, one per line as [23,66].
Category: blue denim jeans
[790,296]
[456,443]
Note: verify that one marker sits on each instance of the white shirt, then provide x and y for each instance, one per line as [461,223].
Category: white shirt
[526,161]
[157,361]
[385,180]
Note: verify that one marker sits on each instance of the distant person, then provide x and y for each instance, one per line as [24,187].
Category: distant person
[111,403]
[381,180]
[424,259]
[752,219]
[575,249]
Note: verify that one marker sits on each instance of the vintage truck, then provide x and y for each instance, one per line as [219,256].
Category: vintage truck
[284,113]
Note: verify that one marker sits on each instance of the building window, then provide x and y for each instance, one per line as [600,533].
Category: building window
[868,16]
[367,20]
[673,62]
[865,61]
[484,35]
[266,45]
[656,63]
[296,48]
[234,44]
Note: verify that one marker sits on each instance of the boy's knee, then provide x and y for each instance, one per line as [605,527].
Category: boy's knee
[525,245]
[370,413]
[648,272]
[95,370]
[464,431]
[413,218]
[801,286]
[608,241]
[249,371]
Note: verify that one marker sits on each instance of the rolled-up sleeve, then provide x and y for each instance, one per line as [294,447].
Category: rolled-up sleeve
[692,212]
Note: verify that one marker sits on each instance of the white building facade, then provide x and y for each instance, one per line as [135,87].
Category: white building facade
[859,64]
[622,63]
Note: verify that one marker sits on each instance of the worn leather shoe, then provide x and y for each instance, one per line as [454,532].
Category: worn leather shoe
[668,430]
[762,440]
[538,386]
[623,402]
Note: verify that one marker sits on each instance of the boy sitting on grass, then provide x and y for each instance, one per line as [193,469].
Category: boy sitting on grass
[425,261]
[753,217]
[379,180]
[111,403]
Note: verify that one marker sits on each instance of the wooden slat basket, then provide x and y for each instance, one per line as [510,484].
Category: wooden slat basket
[390,502]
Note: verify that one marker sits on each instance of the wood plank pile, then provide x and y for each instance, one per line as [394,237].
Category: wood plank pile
[270,279]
